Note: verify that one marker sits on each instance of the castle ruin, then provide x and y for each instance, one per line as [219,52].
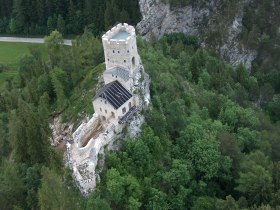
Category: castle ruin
[117,104]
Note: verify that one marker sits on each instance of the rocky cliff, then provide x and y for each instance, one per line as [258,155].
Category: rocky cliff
[216,24]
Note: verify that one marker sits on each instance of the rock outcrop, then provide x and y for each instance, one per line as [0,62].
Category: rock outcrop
[160,18]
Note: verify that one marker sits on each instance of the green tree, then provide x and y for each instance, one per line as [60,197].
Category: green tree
[236,116]
[229,147]
[247,139]
[17,23]
[44,85]
[115,186]
[273,108]
[157,200]
[266,94]
[35,133]
[71,17]
[241,74]
[54,44]
[180,174]
[32,182]
[228,204]
[157,121]
[204,203]
[4,143]
[17,138]
[60,84]
[54,194]
[176,121]
[61,24]
[133,192]
[12,189]
[28,67]
[40,11]
[111,14]
[51,23]
[196,64]
[204,80]
[97,203]
[255,181]
[206,157]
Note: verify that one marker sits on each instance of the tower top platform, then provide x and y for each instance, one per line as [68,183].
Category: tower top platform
[120,33]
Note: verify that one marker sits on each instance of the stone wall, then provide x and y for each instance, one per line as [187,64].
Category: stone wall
[121,52]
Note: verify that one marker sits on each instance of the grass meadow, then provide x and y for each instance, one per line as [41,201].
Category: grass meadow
[10,54]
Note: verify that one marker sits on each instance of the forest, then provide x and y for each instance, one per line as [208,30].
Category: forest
[211,138]
[212,134]
[40,17]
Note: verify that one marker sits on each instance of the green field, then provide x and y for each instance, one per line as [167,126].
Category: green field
[10,54]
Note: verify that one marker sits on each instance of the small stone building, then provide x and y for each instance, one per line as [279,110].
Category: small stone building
[115,101]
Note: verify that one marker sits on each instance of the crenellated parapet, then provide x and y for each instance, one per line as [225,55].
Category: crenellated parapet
[111,36]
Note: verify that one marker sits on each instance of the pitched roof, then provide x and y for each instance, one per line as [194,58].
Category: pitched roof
[118,71]
[114,93]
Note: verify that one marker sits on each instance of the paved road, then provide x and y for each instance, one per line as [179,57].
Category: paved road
[30,40]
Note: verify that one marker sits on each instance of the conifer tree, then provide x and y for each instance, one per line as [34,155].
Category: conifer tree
[61,24]
[18,21]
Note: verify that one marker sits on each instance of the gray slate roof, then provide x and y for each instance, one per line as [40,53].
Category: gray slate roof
[114,93]
[118,71]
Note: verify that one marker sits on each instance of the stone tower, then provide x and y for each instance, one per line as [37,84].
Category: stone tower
[120,48]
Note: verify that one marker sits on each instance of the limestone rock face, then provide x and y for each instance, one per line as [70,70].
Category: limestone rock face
[160,18]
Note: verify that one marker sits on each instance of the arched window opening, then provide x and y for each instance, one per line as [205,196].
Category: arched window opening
[133,62]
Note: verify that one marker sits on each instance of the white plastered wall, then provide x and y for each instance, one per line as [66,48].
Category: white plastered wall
[100,106]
